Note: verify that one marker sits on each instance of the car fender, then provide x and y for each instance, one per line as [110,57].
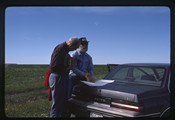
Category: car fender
[165,113]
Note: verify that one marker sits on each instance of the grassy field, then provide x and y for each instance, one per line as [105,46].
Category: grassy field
[25,94]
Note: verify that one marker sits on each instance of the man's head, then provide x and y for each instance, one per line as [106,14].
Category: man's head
[83,45]
[73,43]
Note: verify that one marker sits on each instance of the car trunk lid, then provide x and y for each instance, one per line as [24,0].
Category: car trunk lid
[112,89]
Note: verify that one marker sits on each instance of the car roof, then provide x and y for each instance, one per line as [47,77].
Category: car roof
[148,64]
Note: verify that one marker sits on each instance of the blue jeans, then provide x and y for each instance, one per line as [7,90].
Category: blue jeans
[59,87]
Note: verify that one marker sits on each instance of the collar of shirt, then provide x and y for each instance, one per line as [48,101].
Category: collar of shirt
[79,53]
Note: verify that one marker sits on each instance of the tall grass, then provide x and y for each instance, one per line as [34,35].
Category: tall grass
[25,94]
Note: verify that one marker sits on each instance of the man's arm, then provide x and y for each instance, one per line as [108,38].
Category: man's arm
[91,68]
[77,72]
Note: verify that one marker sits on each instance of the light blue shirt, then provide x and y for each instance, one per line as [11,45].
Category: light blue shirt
[84,64]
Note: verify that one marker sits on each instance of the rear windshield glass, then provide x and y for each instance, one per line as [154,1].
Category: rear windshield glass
[138,74]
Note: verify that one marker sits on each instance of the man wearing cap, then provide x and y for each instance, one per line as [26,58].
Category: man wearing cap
[59,77]
[84,69]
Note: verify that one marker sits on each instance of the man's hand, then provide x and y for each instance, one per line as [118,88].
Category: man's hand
[88,77]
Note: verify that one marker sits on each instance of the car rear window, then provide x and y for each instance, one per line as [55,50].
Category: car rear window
[138,74]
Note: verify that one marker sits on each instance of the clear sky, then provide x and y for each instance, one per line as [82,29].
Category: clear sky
[116,34]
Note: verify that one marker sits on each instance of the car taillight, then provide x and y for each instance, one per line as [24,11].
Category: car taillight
[127,105]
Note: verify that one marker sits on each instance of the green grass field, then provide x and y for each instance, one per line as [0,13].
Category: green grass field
[25,94]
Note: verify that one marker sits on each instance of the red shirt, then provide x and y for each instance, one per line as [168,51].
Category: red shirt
[46,81]
[57,59]
[46,84]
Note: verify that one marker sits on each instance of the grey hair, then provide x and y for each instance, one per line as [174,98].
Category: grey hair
[74,41]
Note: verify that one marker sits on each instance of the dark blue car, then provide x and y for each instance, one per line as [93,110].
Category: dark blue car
[128,90]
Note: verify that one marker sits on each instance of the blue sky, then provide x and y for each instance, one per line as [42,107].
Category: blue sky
[116,34]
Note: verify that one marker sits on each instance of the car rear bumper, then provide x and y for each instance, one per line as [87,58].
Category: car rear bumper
[83,109]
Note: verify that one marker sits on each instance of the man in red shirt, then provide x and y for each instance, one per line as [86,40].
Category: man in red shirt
[59,78]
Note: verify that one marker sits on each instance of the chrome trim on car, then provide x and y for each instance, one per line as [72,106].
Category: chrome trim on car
[118,112]
[105,105]
[169,84]
[107,111]
[149,115]
[124,105]
[164,111]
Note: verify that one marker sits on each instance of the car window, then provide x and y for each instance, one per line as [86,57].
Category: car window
[148,75]
[140,71]
[139,75]
[160,73]
[121,74]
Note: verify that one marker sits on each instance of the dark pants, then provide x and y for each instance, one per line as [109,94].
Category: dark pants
[59,87]
[74,80]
